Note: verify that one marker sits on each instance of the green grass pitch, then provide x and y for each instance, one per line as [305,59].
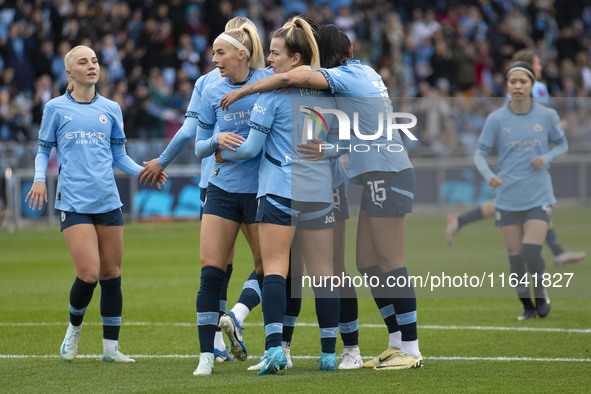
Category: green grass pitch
[468,343]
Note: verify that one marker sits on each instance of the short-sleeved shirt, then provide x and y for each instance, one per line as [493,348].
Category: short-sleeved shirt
[282,172]
[233,176]
[82,134]
[519,139]
[364,88]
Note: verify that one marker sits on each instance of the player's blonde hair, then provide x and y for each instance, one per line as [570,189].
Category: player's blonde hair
[68,62]
[248,36]
[299,38]
[237,22]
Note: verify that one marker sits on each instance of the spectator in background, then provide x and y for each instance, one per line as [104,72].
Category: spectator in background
[347,23]
[44,91]
[19,53]
[58,70]
[109,55]
[395,38]
[188,57]
[584,67]
[43,58]
[10,118]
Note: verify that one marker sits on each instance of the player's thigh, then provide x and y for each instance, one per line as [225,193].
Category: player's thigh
[388,235]
[339,246]
[82,241]
[253,242]
[513,238]
[217,238]
[110,240]
[317,246]
[534,232]
[488,209]
[275,244]
[296,259]
[365,255]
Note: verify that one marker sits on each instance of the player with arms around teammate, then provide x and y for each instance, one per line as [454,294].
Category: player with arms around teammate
[87,131]
[521,130]
[295,197]
[231,192]
[388,180]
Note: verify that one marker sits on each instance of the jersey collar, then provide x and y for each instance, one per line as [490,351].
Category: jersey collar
[242,83]
[96,96]
[353,61]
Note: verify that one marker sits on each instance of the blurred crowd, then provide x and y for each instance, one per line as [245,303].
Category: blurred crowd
[151,53]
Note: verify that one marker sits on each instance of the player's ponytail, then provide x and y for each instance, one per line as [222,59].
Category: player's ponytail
[249,41]
[299,38]
[257,58]
[237,22]
[334,46]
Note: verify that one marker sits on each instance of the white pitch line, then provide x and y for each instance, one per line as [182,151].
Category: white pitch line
[302,324]
[196,356]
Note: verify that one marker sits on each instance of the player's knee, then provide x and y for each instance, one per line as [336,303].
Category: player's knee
[532,252]
[88,276]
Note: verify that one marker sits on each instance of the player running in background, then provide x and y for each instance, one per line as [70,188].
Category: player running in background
[455,222]
[521,131]
[87,131]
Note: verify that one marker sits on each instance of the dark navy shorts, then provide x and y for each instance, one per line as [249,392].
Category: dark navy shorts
[340,205]
[237,207]
[69,219]
[387,193]
[202,194]
[507,218]
[285,212]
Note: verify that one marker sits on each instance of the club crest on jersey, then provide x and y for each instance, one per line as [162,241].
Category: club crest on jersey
[538,128]
[103,118]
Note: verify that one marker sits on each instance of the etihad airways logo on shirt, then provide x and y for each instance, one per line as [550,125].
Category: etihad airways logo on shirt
[85,137]
[526,145]
[238,117]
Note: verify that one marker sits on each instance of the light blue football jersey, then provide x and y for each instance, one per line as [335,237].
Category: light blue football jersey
[283,172]
[187,134]
[232,176]
[359,89]
[82,134]
[519,139]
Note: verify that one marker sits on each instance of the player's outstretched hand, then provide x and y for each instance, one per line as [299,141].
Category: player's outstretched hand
[37,195]
[151,172]
[161,181]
